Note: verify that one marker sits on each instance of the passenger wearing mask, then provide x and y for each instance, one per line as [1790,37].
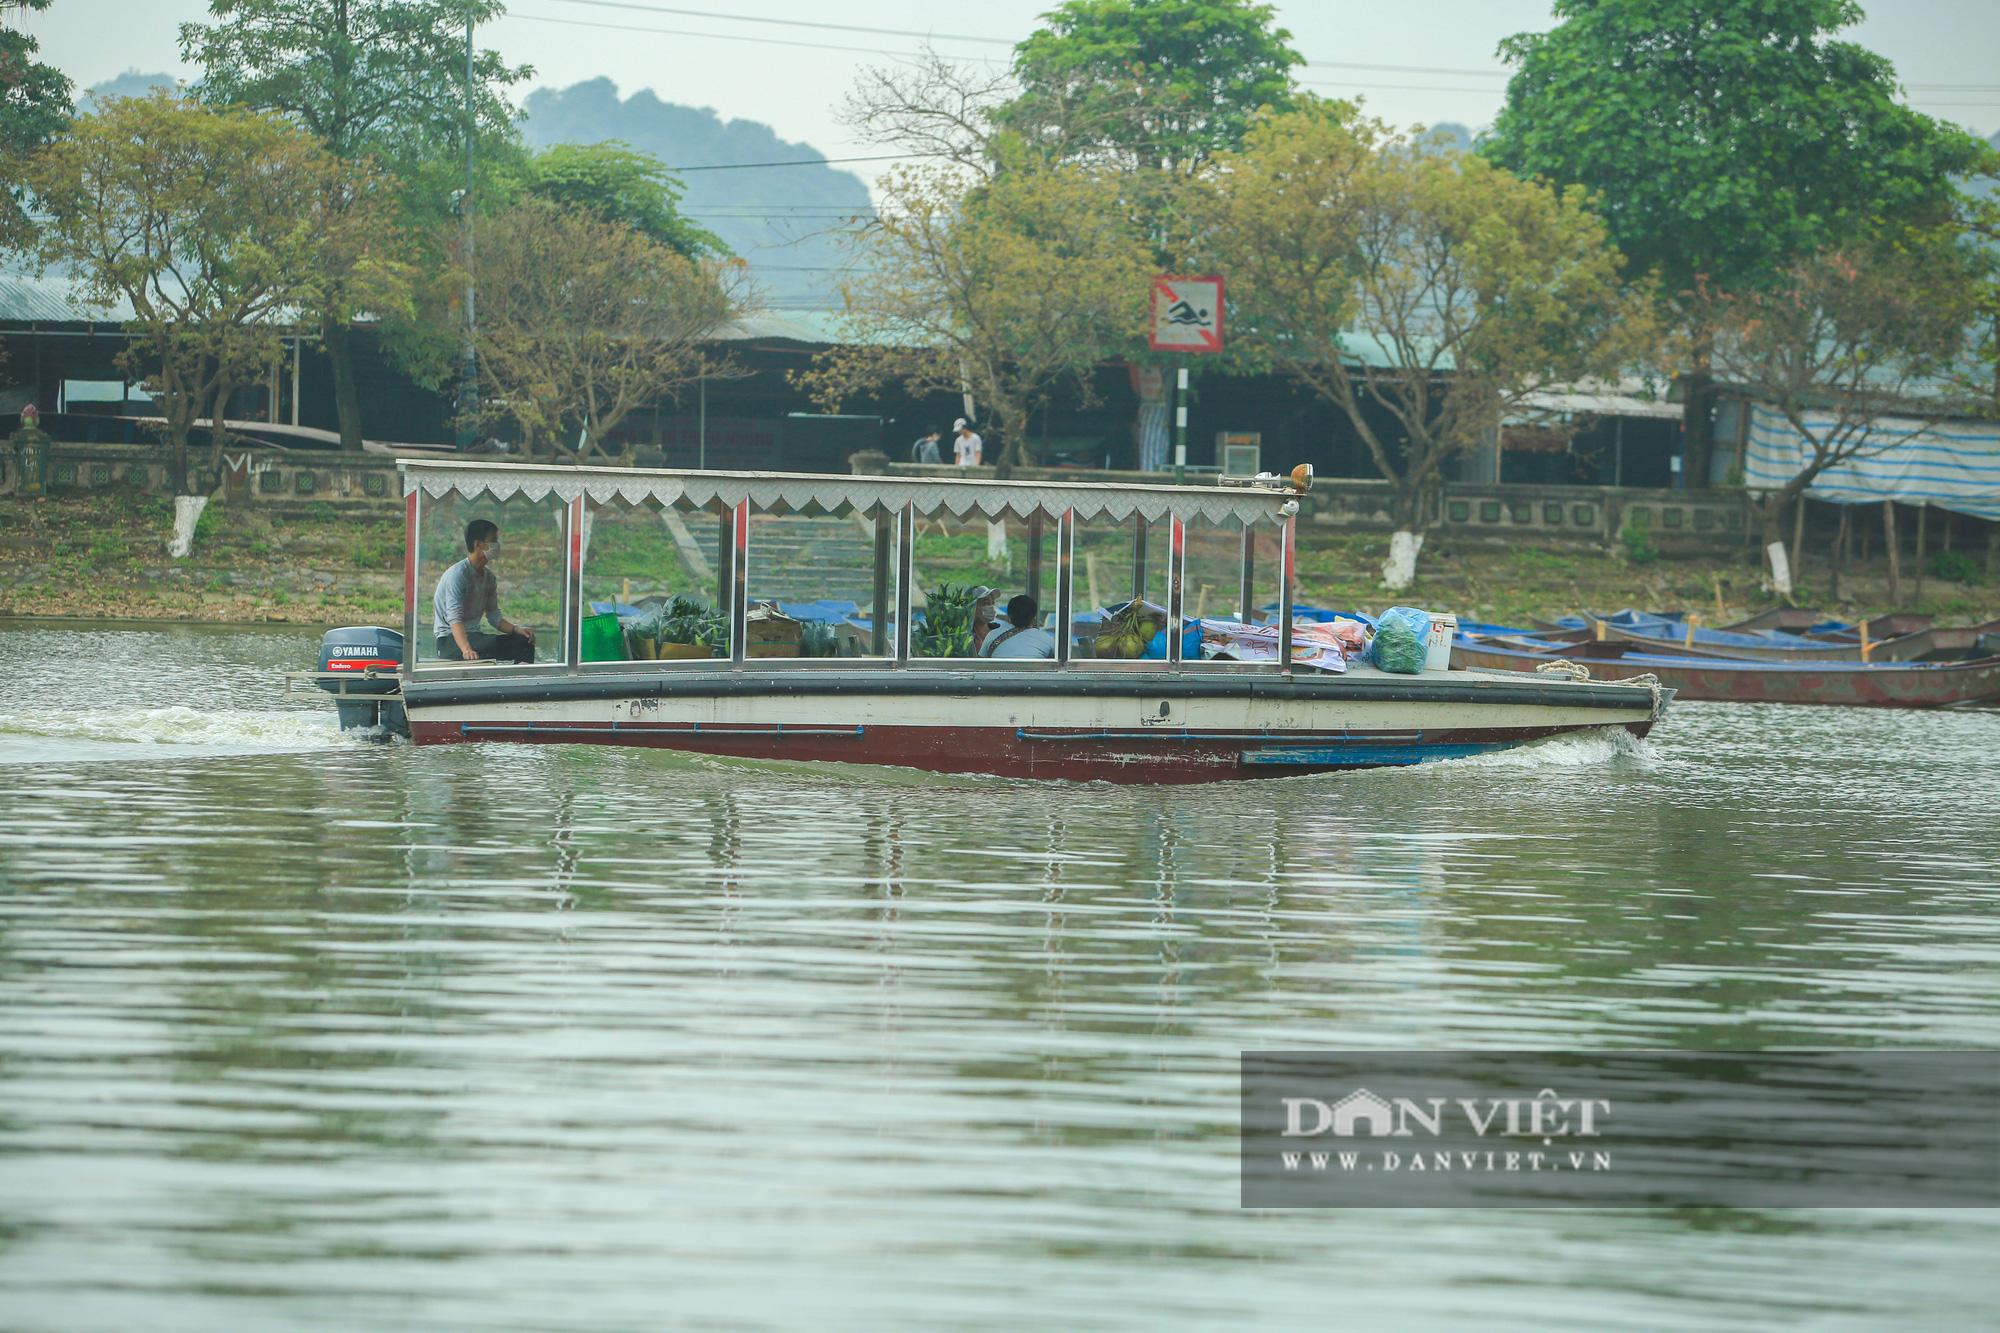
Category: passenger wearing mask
[468,593]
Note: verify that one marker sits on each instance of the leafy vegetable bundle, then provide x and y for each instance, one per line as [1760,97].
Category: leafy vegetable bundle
[947,627]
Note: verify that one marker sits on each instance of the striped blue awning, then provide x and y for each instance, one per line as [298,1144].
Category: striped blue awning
[1955,465]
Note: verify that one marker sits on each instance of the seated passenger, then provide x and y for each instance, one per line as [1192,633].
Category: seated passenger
[468,593]
[1022,637]
[983,615]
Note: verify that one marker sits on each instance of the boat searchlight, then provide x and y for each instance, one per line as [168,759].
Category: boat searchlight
[1299,479]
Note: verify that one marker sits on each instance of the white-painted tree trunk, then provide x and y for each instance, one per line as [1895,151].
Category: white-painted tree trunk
[996,546]
[1781,569]
[187,512]
[1401,566]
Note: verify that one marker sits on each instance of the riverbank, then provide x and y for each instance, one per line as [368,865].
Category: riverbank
[104,558]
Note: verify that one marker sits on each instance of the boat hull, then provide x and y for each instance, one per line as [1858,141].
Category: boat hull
[1855,684]
[1136,728]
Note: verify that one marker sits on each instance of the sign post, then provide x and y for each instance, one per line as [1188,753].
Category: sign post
[1187,318]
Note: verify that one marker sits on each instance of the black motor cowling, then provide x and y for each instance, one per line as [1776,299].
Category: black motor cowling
[349,656]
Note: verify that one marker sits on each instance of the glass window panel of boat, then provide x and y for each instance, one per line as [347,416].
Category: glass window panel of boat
[1118,588]
[655,568]
[527,561]
[814,579]
[1219,555]
[954,556]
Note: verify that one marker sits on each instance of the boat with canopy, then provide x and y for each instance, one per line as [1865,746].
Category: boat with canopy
[673,610]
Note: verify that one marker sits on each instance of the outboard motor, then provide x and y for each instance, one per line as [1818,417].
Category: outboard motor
[366,702]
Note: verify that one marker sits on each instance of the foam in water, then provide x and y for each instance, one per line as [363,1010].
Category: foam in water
[181,725]
[1581,749]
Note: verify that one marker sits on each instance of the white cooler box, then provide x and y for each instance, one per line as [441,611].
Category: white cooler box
[1444,628]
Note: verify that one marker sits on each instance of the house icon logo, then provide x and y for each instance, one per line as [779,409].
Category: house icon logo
[1366,1108]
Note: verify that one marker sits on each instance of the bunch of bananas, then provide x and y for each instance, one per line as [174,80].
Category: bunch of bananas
[1130,628]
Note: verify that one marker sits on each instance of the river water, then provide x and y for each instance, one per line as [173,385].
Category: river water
[298,1032]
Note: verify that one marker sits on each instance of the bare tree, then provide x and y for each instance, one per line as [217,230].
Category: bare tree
[1854,349]
[1004,289]
[583,320]
[932,108]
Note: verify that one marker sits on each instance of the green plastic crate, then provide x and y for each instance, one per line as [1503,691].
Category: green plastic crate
[603,641]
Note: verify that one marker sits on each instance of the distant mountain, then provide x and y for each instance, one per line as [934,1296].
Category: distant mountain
[777,218]
[132,84]
[1461,137]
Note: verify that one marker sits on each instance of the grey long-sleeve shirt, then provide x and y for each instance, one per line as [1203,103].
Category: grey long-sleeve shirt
[465,594]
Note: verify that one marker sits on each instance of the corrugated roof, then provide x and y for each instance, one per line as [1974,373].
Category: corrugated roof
[805,326]
[53,299]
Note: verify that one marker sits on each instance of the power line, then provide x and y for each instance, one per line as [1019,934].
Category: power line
[788,23]
[988,60]
[802,162]
[731,37]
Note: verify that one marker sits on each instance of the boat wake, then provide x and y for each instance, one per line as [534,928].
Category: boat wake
[176,726]
[1583,749]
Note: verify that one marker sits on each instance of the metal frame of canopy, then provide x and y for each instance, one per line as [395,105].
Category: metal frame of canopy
[733,496]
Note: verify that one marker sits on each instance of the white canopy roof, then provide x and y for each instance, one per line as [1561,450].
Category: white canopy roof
[800,492]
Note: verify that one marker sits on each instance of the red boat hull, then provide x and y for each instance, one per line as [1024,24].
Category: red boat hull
[1141,726]
[1077,756]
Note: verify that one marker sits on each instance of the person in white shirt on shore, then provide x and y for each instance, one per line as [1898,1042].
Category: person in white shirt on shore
[966,446]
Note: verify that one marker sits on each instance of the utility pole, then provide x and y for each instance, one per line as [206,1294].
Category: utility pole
[468,388]
[1180,428]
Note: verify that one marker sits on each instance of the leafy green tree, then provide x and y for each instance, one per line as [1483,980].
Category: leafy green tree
[1426,294]
[379,77]
[1005,290]
[34,108]
[1161,84]
[1726,140]
[216,226]
[612,182]
[385,79]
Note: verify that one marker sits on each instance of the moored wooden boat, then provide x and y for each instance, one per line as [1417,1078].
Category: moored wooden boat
[1873,685]
[1171,719]
[1929,643]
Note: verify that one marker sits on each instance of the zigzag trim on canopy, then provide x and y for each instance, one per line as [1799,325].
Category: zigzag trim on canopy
[798,493]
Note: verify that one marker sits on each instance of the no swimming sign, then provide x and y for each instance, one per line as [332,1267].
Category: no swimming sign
[1187,315]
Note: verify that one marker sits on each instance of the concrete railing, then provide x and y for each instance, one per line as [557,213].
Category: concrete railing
[252,473]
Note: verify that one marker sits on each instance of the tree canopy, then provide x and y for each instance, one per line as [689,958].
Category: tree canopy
[1852,347]
[378,79]
[1425,294]
[615,184]
[584,319]
[34,108]
[385,77]
[1002,291]
[1723,138]
[218,227]
[1157,83]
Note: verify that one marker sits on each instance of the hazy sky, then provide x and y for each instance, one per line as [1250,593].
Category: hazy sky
[1419,60]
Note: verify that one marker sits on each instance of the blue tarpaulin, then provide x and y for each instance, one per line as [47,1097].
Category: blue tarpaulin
[1954,465]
